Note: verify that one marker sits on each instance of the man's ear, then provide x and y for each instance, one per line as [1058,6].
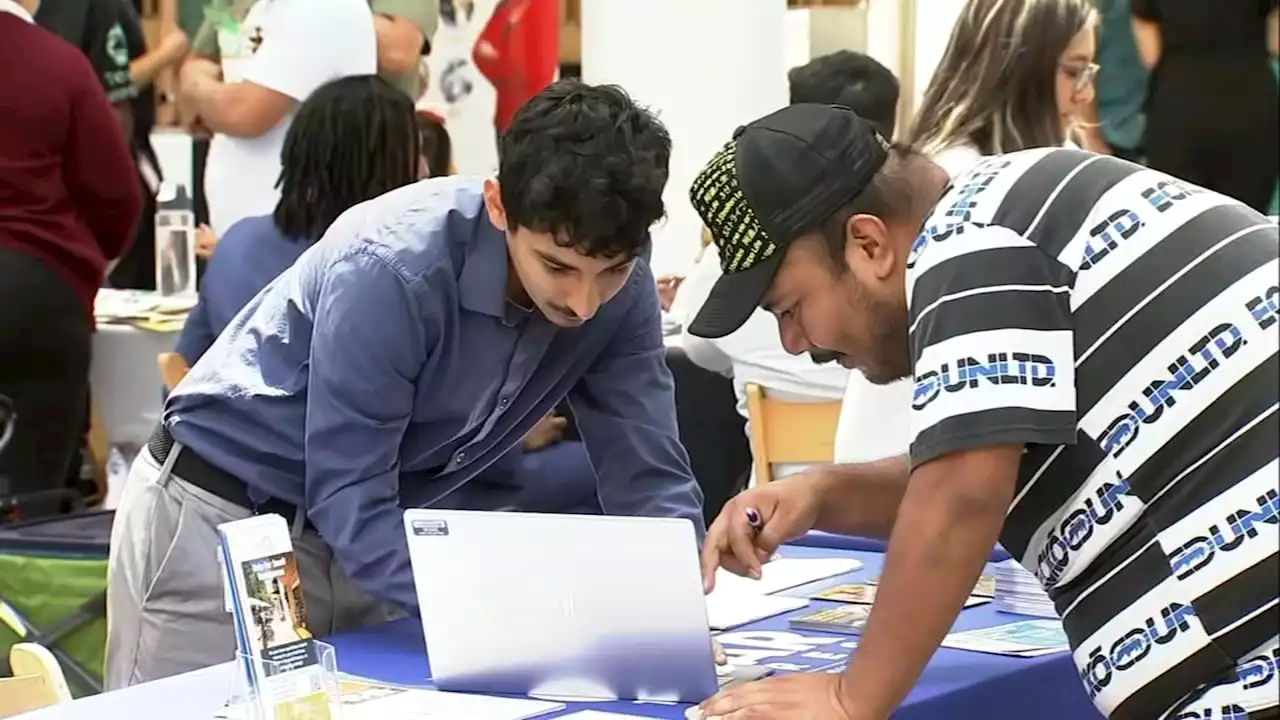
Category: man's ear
[493,203]
[868,247]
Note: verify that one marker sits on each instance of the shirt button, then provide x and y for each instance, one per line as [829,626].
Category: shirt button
[459,458]
[503,403]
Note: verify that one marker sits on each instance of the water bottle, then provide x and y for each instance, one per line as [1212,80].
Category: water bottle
[175,241]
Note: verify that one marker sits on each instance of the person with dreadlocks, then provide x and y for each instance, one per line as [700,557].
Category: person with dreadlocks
[397,364]
[352,140]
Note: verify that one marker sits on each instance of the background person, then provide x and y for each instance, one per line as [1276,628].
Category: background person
[1016,74]
[268,62]
[68,205]
[352,140]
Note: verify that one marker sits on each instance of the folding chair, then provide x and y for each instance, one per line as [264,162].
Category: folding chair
[53,581]
[789,432]
[37,681]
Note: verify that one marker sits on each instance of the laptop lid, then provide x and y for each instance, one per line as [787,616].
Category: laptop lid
[570,606]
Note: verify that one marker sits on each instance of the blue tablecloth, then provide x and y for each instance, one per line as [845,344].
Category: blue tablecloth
[819,539]
[957,685]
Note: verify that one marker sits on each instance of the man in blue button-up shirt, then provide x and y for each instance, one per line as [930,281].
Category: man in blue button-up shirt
[414,345]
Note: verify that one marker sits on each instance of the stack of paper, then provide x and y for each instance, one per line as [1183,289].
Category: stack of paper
[144,309]
[1028,638]
[1019,592]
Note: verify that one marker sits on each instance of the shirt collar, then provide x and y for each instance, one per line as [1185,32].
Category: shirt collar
[483,279]
[13,8]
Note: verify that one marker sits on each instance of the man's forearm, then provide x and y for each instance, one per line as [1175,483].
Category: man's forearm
[862,499]
[948,530]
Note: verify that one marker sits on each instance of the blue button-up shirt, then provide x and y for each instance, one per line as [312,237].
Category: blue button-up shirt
[386,368]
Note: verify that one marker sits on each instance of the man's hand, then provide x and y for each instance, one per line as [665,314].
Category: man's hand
[718,652]
[782,510]
[667,287]
[193,73]
[803,696]
[206,241]
[548,431]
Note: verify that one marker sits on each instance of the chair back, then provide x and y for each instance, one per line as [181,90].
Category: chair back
[173,367]
[789,432]
[37,681]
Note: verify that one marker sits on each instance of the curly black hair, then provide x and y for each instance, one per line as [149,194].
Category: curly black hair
[586,164]
[353,139]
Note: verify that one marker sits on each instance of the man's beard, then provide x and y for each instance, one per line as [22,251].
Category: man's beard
[891,343]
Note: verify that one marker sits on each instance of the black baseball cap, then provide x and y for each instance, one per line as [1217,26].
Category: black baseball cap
[776,180]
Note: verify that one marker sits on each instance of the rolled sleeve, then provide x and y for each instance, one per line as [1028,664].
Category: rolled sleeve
[368,345]
[625,411]
[992,342]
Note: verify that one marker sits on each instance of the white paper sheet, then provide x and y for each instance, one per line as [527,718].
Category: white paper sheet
[729,610]
[598,715]
[783,574]
[436,705]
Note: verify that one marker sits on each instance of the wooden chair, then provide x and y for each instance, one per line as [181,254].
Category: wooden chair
[37,681]
[98,448]
[173,367]
[789,432]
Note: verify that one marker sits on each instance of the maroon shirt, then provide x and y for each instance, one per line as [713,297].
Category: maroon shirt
[69,193]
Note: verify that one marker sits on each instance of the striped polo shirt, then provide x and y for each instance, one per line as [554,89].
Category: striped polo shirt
[1123,326]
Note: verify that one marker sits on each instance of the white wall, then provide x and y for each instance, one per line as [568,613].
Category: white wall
[706,67]
[934,20]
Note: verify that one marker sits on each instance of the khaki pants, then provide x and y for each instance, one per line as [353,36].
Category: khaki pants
[165,597]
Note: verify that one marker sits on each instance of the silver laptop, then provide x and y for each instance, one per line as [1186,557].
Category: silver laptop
[569,606]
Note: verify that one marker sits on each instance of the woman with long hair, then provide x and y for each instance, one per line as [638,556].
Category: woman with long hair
[352,140]
[1016,74]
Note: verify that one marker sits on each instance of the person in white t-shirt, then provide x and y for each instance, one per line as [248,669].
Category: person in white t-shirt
[270,62]
[753,354]
[988,94]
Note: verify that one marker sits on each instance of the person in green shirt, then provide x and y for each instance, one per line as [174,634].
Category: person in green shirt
[404,29]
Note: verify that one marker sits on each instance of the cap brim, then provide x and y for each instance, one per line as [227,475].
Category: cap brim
[734,297]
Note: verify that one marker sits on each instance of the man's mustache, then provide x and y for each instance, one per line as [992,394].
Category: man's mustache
[822,357]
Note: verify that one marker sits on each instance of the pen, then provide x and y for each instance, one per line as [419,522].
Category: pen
[754,520]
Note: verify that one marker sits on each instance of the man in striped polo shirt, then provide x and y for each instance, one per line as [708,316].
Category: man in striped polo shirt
[1094,349]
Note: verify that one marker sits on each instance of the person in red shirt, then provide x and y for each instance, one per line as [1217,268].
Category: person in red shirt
[69,201]
[518,51]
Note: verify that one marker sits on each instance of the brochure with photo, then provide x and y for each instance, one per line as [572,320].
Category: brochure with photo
[280,661]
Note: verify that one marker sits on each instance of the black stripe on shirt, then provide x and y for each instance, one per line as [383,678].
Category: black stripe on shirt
[1243,457]
[1005,309]
[1051,491]
[1242,403]
[1178,249]
[1027,196]
[997,426]
[1158,319]
[1243,639]
[1244,593]
[1166,690]
[1071,207]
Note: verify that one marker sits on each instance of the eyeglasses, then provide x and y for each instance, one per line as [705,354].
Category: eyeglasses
[1083,74]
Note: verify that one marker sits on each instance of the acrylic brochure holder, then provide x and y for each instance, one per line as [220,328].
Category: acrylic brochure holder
[310,693]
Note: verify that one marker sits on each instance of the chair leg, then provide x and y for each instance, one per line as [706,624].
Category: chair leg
[99,448]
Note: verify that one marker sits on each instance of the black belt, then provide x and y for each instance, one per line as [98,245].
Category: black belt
[199,472]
